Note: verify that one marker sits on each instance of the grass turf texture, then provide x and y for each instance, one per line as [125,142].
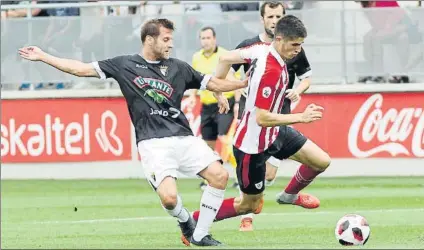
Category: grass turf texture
[126,214]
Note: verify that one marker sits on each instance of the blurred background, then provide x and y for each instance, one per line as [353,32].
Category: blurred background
[348,41]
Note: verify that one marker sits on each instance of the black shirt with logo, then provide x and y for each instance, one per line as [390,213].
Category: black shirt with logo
[153,92]
[297,66]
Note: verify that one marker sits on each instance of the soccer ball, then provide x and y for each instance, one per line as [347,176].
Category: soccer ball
[352,230]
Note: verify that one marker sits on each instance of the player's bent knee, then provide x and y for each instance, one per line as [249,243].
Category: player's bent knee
[324,162]
[217,176]
[222,179]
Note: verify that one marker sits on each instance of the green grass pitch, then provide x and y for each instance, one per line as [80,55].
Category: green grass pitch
[127,214]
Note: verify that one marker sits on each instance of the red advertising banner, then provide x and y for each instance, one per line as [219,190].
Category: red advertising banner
[369,125]
[372,125]
[65,130]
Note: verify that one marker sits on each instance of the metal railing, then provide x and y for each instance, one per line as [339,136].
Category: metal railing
[337,45]
[104,4]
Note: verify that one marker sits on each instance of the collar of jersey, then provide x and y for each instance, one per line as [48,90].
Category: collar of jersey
[214,52]
[153,62]
[276,55]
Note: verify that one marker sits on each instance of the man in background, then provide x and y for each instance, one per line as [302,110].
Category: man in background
[214,126]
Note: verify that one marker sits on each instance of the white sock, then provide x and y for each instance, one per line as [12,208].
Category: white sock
[245,215]
[179,212]
[210,203]
[269,183]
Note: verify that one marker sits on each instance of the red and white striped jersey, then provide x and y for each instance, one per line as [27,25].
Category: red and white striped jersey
[268,80]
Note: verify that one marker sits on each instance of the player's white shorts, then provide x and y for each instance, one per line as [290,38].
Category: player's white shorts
[274,161]
[163,157]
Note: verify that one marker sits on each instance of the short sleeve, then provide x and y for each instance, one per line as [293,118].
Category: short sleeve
[250,53]
[236,67]
[108,68]
[266,89]
[303,69]
[193,78]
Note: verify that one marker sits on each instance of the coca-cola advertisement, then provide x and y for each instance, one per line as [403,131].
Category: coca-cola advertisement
[369,125]
[65,130]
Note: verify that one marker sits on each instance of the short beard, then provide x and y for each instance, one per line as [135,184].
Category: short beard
[159,56]
[269,33]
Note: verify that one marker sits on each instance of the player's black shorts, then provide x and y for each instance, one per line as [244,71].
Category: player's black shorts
[213,123]
[250,171]
[251,168]
[288,142]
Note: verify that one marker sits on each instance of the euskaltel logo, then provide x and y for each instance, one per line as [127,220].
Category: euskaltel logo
[52,136]
[399,132]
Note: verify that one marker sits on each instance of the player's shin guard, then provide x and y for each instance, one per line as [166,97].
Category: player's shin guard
[210,204]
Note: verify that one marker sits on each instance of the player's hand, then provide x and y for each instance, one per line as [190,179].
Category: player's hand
[223,104]
[292,95]
[31,53]
[312,113]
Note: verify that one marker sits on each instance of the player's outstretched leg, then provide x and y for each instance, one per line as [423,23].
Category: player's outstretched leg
[236,206]
[246,223]
[314,161]
[173,205]
[210,203]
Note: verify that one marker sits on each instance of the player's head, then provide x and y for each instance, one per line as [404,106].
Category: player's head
[271,12]
[208,38]
[289,36]
[156,36]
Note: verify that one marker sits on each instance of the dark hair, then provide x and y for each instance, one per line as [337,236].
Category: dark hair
[272,5]
[151,27]
[290,27]
[209,28]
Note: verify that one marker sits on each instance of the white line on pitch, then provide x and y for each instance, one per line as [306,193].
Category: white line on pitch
[262,214]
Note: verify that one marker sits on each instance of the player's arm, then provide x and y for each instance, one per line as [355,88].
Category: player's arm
[196,80]
[70,66]
[223,85]
[226,60]
[303,73]
[264,118]
[267,98]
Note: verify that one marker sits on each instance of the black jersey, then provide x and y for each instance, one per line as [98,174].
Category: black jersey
[297,66]
[153,92]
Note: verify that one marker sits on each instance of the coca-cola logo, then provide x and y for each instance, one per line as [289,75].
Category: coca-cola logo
[55,137]
[387,131]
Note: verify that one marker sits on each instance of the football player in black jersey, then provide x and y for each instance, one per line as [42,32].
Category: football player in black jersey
[153,85]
